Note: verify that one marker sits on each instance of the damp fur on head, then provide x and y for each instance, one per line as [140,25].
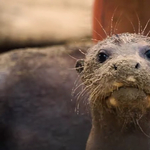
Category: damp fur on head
[100,78]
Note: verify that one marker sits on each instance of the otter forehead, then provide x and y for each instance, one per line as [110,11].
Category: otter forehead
[122,44]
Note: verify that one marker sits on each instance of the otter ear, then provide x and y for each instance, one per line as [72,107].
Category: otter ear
[79,65]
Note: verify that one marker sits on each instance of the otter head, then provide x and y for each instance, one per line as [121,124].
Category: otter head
[116,74]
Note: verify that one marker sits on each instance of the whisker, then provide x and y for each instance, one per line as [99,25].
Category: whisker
[139,23]
[82,52]
[77,80]
[142,129]
[77,109]
[74,90]
[131,24]
[98,34]
[90,39]
[72,56]
[101,27]
[145,27]
[82,92]
[74,68]
[148,33]
[95,40]
[94,93]
[81,84]
[112,19]
[117,22]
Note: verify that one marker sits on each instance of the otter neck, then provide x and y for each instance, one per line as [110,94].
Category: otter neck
[108,133]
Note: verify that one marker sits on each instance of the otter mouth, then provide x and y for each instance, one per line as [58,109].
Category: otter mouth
[130,96]
[128,102]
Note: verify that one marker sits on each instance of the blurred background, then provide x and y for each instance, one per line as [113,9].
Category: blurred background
[30,23]
[26,23]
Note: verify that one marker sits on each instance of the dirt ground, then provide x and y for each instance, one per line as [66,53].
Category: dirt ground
[26,23]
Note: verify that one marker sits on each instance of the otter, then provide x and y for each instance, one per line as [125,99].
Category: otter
[116,74]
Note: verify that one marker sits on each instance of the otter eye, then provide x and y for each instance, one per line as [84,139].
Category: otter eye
[147,53]
[102,57]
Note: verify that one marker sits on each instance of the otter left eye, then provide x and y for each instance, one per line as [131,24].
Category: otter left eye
[147,53]
[102,57]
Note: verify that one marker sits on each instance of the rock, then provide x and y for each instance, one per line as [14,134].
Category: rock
[36,109]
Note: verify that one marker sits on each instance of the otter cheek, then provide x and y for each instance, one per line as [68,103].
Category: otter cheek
[112,102]
[117,84]
[129,98]
[128,95]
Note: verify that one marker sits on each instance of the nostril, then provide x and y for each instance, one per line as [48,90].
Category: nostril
[137,66]
[115,67]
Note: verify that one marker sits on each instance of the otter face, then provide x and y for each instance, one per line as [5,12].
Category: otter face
[116,73]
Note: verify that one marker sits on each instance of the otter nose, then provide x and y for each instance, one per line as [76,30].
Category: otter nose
[137,66]
[115,67]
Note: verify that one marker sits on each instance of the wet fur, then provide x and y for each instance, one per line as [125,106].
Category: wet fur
[125,52]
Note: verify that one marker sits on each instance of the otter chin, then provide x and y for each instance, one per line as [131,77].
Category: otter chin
[116,75]
[129,97]
[128,102]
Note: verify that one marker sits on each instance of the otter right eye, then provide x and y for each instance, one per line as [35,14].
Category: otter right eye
[148,54]
[102,57]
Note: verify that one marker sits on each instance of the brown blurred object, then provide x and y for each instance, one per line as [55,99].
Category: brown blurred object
[36,109]
[117,16]
[33,23]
